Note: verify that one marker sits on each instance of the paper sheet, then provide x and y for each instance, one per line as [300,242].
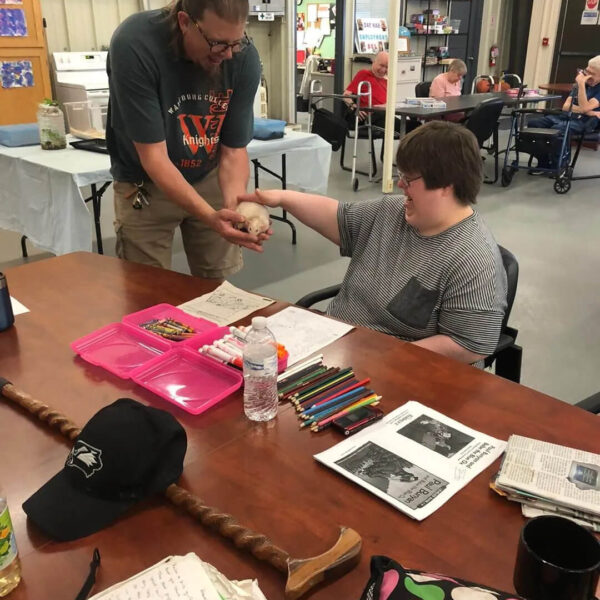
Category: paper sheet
[225,305]
[182,578]
[303,332]
[17,307]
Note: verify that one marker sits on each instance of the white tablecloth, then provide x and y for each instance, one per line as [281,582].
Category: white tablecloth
[40,194]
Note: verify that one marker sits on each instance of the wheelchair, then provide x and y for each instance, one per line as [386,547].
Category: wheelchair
[542,144]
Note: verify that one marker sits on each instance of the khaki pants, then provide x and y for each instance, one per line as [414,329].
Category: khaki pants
[146,235]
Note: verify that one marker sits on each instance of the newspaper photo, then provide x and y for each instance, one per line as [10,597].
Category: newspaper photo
[560,475]
[415,458]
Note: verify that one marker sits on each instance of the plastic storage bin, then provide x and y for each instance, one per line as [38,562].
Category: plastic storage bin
[86,119]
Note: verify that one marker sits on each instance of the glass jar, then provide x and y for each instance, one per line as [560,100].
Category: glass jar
[51,123]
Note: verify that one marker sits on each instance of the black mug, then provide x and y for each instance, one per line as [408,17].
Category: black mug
[556,560]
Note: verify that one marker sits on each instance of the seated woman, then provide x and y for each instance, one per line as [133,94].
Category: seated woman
[424,266]
[450,84]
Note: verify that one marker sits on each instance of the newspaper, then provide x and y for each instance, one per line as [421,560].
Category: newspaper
[553,473]
[415,458]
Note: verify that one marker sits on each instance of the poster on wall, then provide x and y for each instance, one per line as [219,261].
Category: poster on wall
[16,74]
[371,35]
[12,23]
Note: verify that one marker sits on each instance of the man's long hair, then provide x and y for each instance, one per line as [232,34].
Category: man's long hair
[233,11]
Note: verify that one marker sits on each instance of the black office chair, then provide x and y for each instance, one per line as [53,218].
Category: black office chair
[422,89]
[591,404]
[483,122]
[507,356]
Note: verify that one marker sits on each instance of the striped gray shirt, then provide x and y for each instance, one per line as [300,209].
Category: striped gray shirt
[411,286]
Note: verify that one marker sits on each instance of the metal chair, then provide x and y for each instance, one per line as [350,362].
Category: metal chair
[507,356]
[483,122]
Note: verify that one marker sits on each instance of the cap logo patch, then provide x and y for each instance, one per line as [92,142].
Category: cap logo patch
[84,457]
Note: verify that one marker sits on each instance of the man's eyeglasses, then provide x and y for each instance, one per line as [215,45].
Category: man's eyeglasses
[219,47]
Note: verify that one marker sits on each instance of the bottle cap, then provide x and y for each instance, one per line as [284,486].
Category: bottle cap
[259,322]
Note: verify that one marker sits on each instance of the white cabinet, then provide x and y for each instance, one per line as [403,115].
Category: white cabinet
[408,69]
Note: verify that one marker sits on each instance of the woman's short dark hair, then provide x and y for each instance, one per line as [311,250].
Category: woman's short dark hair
[233,11]
[444,154]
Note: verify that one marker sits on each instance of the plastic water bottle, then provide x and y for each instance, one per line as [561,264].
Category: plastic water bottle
[10,566]
[260,372]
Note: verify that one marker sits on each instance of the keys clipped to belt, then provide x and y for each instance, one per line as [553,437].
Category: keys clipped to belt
[140,196]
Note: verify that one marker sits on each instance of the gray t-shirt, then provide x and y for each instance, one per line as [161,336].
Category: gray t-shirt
[157,97]
[411,286]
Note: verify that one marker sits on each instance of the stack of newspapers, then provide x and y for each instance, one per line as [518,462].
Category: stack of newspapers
[551,479]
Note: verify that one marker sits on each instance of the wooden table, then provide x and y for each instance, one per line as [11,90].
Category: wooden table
[564,89]
[263,474]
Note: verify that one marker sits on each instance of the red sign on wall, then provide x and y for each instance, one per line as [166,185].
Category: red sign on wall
[591,4]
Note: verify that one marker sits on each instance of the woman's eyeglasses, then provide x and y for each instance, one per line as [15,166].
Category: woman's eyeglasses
[404,180]
[219,47]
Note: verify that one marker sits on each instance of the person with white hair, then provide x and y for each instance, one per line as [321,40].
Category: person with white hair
[377,78]
[584,101]
[450,82]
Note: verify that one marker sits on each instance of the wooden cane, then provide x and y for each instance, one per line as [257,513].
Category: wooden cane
[302,574]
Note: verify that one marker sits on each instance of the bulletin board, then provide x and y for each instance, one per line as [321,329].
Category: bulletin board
[315,28]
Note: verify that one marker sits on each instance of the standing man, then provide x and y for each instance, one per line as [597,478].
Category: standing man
[182,86]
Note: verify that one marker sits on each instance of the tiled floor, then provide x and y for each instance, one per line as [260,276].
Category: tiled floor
[555,238]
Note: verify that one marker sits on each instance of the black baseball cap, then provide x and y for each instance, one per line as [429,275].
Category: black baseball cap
[125,452]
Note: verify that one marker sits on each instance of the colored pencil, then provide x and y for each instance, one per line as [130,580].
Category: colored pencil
[326,405]
[333,408]
[364,402]
[330,395]
[299,366]
[292,386]
[321,387]
[310,383]
[285,382]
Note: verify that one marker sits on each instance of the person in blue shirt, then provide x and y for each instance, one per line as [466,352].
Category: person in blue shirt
[585,103]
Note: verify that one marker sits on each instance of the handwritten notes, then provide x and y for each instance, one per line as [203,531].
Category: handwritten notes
[181,578]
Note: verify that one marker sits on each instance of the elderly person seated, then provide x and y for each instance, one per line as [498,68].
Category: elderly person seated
[585,103]
[450,84]
[424,266]
[377,78]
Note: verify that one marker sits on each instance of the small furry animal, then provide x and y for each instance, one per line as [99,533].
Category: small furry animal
[257,217]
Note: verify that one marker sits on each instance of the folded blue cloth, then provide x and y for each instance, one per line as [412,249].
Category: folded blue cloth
[268,129]
[25,134]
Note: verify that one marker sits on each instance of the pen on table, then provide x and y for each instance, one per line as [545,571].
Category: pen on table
[366,402]
[296,383]
[339,405]
[322,377]
[341,388]
[299,366]
[338,378]
[295,377]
